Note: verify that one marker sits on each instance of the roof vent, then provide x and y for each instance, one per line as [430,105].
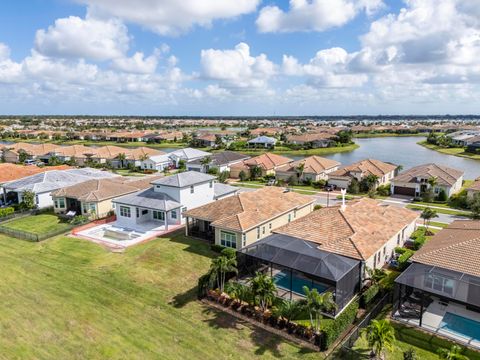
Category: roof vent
[344,192]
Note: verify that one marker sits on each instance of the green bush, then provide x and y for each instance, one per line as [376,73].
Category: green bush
[333,329]
[383,190]
[403,259]
[79,220]
[217,248]
[442,195]
[459,200]
[400,250]
[369,294]
[6,211]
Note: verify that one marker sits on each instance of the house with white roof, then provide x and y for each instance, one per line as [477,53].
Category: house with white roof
[187,154]
[156,163]
[262,141]
[43,184]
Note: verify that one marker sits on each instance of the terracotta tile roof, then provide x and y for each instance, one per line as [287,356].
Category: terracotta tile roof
[74,150]
[366,167]
[359,231]
[102,189]
[140,152]
[313,165]
[310,137]
[475,186]
[444,175]
[10,172]
[109,152]
[456,247]
[32,149]
[249,209]
[268,161]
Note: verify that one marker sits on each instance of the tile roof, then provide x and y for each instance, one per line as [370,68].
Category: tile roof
[444,175]
[32,149]
[10,172]
[184,179]
[248,209]
[310,137]
[149,198]
[141,152]
[456,247]
[366,167]
[313,165]
[102,189]
[262,140]
[189,153]
[475,186]
[359,231]
[220,189]
[267,161]
[223,158]
[74,150]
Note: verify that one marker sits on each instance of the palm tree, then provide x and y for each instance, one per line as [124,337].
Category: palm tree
[255,172]
[122,157]
[454,353]
[238,291]
[380,336]
[263,290]
[289,310]
[316,304]
[299,169]
[220,267]
[427,215]
[205,162]
[375,275]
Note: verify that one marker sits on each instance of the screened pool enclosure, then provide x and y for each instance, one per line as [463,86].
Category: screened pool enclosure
[294,263]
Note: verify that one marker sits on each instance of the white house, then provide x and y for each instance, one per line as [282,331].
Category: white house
[187,154]
[262,141]
[221,161]
[43,184]
[157,162]
[164,203]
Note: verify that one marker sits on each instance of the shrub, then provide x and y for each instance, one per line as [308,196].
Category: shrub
[79,220]
[333,329]
[6,211]
[229,252]
[409,354]
[403,259]
[383,190]
[243,175]
[354,187]
[217,248]
[317,207]
[442,195]
[369,294]
[400,250]
[319,184]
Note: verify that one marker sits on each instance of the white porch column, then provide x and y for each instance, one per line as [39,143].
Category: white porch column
[187,220]
[166,220]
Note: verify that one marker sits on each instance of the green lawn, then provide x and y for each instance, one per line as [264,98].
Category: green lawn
[450,151]
[70,299]
[377,135]
[38,224]
[126,172]
[288,152]
[440,211]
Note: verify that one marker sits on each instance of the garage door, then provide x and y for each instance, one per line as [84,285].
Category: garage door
[400,190]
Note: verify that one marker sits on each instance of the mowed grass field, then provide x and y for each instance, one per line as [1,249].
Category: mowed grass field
[38,224]
[66,298]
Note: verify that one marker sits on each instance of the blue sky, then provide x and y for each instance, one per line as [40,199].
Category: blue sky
[239,57]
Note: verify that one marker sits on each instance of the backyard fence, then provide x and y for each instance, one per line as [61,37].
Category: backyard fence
[25,235]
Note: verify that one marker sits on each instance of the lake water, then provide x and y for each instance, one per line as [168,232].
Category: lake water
[406,152]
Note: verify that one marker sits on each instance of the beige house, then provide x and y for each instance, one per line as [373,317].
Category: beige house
[267,162]
[344,176]
[473,189]
[312,168]
[94,197]
[366,230]
[415,181]
[11,153]
[240,220]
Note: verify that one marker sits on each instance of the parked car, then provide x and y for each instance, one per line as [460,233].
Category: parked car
[330,187]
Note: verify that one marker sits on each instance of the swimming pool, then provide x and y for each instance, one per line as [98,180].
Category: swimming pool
[282,280]
[461,326]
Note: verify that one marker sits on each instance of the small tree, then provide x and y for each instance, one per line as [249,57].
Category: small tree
[380,336]
[427,215]
[223,176]
[354,187]
[289,310]
[442,195]
[28,200]
[454,353]
[54,160]
[409,354]
[255,172]
[474,206]
[316,304]
[220,267]
[22,156]
[243,175]
[263,290]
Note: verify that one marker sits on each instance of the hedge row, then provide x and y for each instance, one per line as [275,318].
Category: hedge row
[369,294]
[6,211]
[403,259]
[333,329]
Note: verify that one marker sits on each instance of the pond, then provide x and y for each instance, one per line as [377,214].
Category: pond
[406,152]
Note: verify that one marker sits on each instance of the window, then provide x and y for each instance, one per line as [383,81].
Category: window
[270,226]
[192,189]
[61,202]
[55,203]
[439,283]
[258,232]
[157,187]
[289,217]
[384,250]
[36,199]
[173,214]
[211,184]
[244,239]
[91,207]
[125,211]
[263,230]
[228,239]
[137,211]
[159,215]
[398,239]
[295,213]
[144,212]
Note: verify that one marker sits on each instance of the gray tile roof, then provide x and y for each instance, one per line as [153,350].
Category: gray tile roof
[55,179]
[149,199]
[263,140]
[189,153]
[184,179]
[220,189]
[222,158]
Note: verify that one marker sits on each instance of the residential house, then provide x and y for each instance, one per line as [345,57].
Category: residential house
[207,140]
[156,162]
[263,142]
[440,290]
[44,183]
[473,189]
[415,181]
[247,217]
[329,249]
[464,137]
[312,140]
[166,201]
[186,155]
[135,156]
[268,163]
[222,161]
[359,170]
[79,153]
[312,168]
[268,131]
[12,153]
[94,197]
